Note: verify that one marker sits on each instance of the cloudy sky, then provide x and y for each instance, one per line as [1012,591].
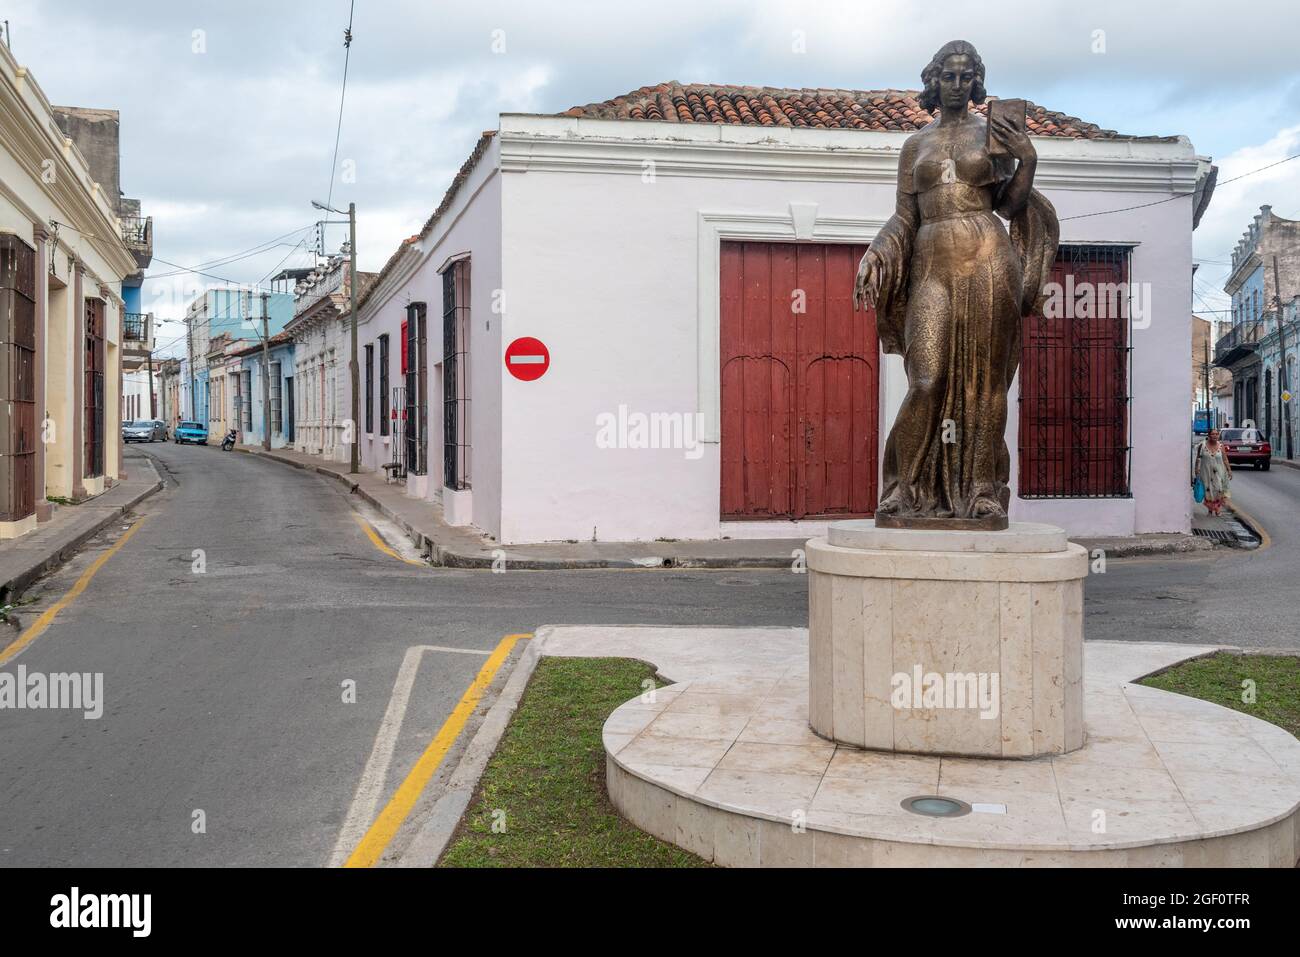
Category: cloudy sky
[229,107]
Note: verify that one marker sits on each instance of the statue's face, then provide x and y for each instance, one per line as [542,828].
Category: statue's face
[956,80]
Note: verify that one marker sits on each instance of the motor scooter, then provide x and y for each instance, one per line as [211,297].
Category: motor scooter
[228,442]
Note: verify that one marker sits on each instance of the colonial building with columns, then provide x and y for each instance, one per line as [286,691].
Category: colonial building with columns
[321,405]
[63,258]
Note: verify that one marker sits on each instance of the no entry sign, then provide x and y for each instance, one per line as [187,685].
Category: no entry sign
[528,358]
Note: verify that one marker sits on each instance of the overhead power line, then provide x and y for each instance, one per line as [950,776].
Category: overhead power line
[1169,199]
[234,257]
[338,131]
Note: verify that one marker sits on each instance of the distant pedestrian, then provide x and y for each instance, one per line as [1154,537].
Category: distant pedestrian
[1213,469]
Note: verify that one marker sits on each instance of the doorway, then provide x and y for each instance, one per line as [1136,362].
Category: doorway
[800,383]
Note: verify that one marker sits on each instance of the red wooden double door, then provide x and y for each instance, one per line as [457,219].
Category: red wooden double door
[800,381]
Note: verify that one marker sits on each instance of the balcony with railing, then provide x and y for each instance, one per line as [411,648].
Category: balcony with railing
[137,233]
[1239,342]
[137,333]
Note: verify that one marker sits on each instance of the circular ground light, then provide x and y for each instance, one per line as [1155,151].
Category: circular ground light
[930,805]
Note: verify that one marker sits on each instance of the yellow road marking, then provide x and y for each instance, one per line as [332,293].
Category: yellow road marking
[34,630]
[382,545]
[1264,540]
[394,814]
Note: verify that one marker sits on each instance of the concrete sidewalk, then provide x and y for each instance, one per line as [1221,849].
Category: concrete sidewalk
[25,559]
[466,548]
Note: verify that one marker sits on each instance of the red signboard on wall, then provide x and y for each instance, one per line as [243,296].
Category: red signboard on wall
[404,348]
[527,358]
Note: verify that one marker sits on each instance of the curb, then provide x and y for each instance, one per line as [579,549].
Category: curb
[450,556]
[24,579]
[1259,539]
[1189,545]
[452,559]
[435,833]
[455,556]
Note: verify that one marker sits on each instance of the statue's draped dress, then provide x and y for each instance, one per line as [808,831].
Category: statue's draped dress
[954,288]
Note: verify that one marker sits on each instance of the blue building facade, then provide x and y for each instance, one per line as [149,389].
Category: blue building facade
[1263,379]
[233,311]
[281,392]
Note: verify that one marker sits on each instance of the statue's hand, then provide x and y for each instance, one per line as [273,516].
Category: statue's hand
[1016,141]
[866,288]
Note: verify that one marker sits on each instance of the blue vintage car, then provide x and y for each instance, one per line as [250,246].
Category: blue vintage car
[195,432]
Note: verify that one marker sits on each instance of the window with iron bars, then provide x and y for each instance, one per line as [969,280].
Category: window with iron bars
[417,390]
[94,363]
[370,389]
[276,413]
[247,404]
[18,442]
[1074,380]
[383,385]
[455,375]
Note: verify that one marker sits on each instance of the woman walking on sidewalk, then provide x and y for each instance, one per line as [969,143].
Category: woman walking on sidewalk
[1214,471]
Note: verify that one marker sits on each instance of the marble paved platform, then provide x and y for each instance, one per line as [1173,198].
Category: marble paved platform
[724,764]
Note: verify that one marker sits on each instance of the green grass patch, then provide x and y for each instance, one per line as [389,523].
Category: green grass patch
[1232,680]
[547,779]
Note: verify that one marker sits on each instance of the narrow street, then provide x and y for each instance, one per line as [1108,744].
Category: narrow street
[224,689]
[1229,596]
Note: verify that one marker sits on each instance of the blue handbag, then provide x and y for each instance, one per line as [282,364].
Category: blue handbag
[1198,490]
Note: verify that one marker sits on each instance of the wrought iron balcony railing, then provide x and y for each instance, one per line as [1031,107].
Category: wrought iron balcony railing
[1243,334]
[137,230]
[135,326]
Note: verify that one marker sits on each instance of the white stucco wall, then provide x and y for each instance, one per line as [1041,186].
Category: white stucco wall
[470,226]
[45,178]
[616,273]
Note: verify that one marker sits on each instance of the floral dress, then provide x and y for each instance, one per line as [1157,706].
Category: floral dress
[1213,472]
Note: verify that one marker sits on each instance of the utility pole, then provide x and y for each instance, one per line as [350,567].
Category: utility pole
[1209,400]
[266,375]
[353,365]
[189,342]
[153,404]
[1283,385]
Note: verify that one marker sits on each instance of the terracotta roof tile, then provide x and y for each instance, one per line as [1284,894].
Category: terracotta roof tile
[880,110]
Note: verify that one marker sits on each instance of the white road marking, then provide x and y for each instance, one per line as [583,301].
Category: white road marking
[365,801]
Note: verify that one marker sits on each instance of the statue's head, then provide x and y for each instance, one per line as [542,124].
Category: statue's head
[953,78]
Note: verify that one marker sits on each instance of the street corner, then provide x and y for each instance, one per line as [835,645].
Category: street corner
[490,454]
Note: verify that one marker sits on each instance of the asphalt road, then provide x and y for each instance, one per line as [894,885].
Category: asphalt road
[1229,596]
[224,688]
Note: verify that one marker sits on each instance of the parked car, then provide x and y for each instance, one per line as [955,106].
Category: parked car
[144,430]
[163,425]
[195,432]
[1247,446]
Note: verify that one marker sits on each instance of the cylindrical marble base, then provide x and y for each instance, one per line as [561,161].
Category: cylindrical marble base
[947,642]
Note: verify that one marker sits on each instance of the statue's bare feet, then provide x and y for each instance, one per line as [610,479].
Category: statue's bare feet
[891,504]
[986,507]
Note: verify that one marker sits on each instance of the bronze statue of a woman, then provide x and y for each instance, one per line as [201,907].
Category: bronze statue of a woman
[950,288]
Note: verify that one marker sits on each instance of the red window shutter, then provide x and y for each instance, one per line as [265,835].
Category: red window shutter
[404,350]
[1074,387]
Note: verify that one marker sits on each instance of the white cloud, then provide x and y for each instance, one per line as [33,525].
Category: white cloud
[227,147]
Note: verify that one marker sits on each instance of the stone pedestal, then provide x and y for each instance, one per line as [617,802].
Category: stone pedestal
[947,642]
